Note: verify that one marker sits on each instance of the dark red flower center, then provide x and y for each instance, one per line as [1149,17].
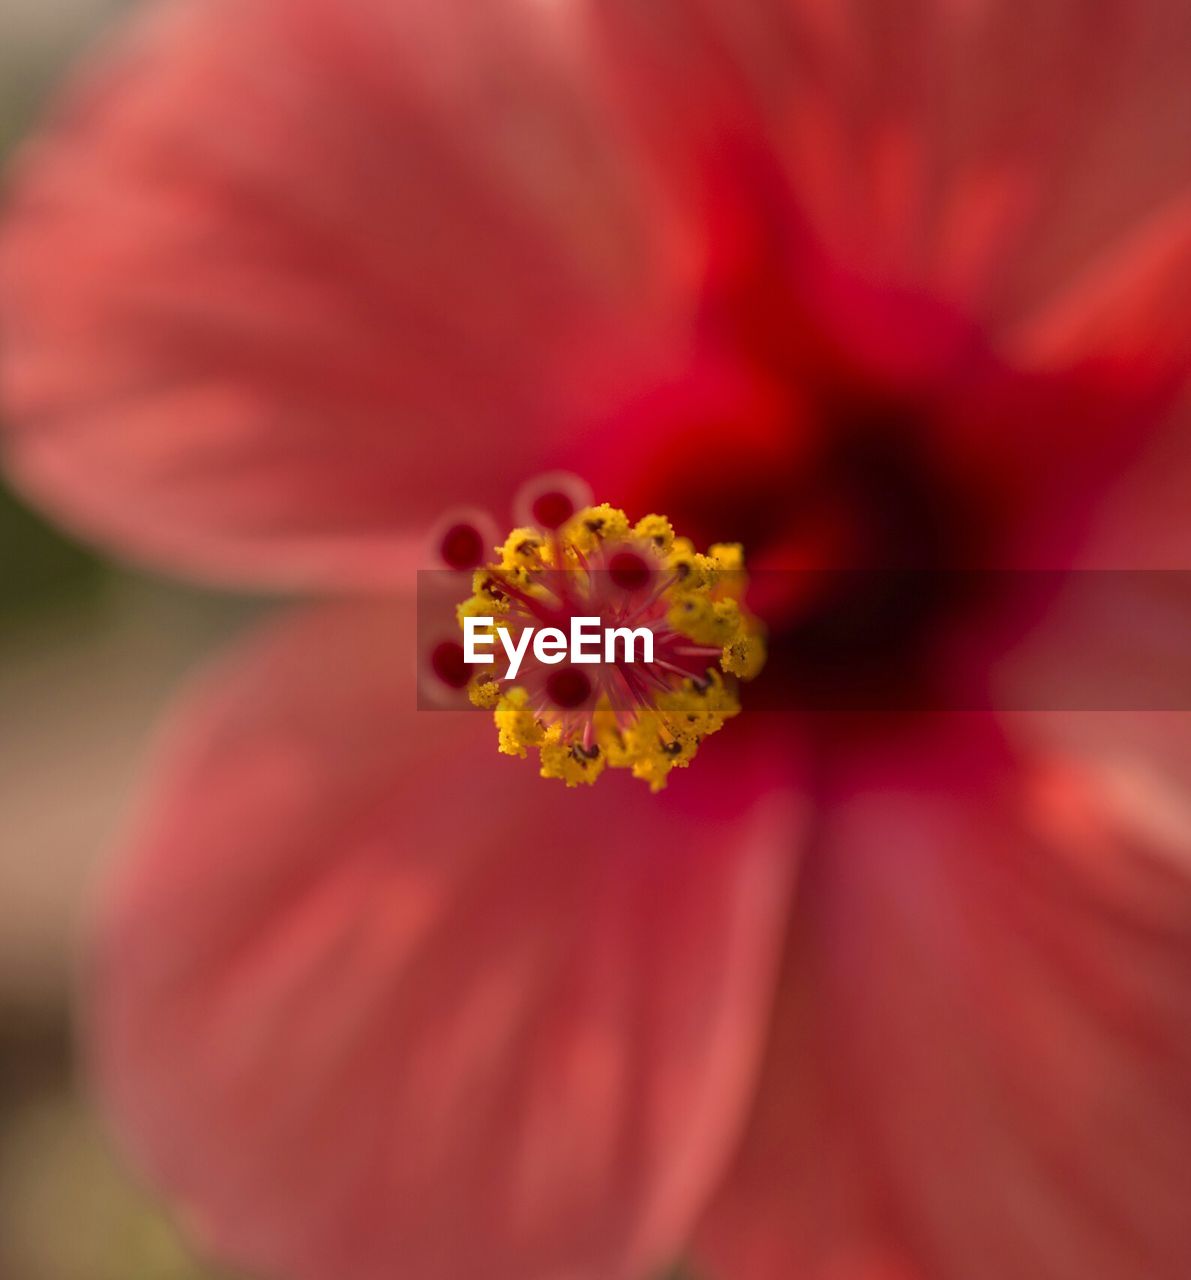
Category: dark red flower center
[866,554]
[870,459]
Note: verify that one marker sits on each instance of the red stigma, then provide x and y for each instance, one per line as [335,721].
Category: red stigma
[553,509]
[462,547]
[629,571]
[568,688]
[447,663]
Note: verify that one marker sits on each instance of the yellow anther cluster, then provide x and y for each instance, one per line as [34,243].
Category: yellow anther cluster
[516,723]
[593,527]
[518,726]
[744,656]
[484,692]
[708,621]
[659,740]
[656,531]
[668,737]
[573,763]
[699,599]
[523,549]
[728,556]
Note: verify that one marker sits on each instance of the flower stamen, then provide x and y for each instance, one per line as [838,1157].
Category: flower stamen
[645,716]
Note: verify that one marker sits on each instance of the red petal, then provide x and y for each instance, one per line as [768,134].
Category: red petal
[983,152]
[1125,328]
[1130,311]
[285,278]
[981,1066]
[371,1000]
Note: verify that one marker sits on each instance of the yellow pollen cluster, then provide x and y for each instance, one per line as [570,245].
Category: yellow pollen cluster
[648,718]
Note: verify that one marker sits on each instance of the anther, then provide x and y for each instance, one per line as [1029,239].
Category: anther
[559,574]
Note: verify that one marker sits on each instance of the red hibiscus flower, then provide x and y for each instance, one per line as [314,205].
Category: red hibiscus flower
[900,992]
